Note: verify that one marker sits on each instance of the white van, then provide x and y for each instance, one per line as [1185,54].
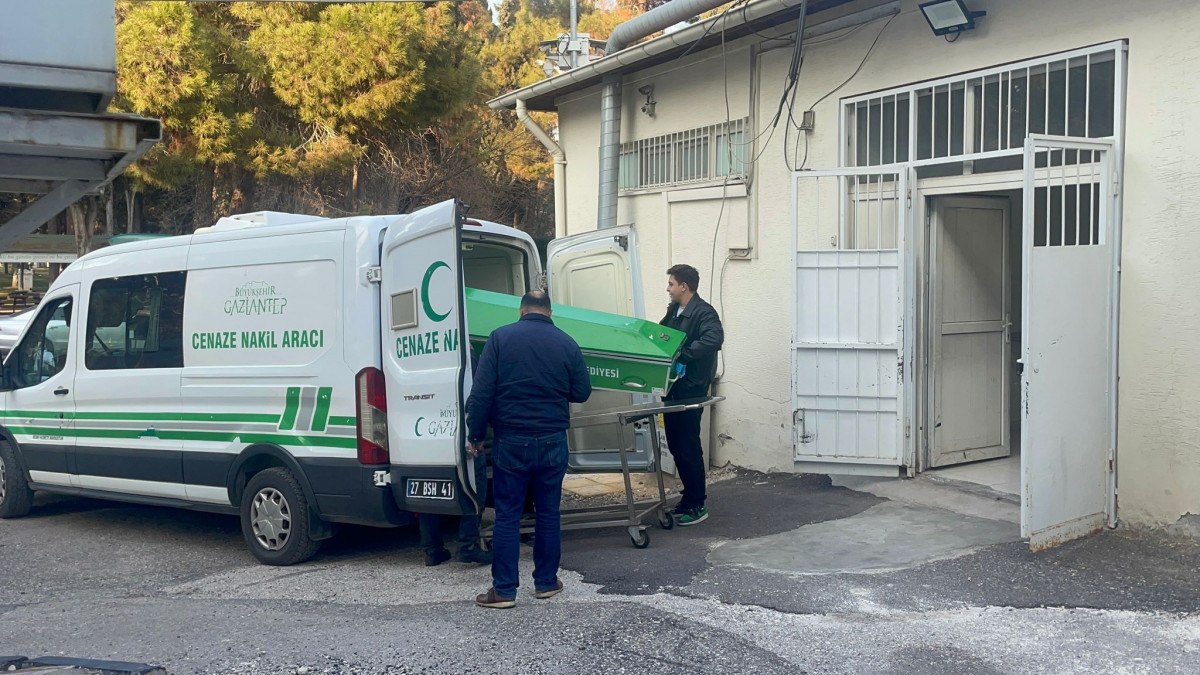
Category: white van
[294,370]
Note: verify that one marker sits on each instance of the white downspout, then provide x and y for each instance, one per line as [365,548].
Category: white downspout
[560,168]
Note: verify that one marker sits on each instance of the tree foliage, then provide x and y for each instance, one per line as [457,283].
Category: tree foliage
[337,108]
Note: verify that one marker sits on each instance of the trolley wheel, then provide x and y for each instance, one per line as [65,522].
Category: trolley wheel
[639,537]
[665,520]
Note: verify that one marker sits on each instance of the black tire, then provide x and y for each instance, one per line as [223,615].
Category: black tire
[276,501]
[16,498]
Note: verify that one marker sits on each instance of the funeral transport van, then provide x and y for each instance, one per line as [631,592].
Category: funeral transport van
[296,371]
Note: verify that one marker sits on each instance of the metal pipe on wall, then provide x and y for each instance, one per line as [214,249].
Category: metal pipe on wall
[610,151]
[610,98]
[560,167]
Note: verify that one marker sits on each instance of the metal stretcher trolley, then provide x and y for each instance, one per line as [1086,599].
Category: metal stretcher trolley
[632,513]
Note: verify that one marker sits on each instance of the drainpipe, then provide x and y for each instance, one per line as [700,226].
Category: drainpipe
[560,168]
[610,151]
[610,99]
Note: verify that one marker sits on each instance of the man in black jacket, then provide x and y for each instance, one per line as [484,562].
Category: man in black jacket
[529,374]
[689,313]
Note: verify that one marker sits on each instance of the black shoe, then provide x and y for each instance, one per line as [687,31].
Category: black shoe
[474,556]
[435,558]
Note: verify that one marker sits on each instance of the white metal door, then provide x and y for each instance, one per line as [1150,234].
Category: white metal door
[1067,439]
[599,270]
[425,341]
[853,307]
[970,340]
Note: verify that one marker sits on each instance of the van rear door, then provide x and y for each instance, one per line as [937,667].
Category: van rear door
[600,270]
[425,365]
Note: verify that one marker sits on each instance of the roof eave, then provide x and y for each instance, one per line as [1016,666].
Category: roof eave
[738,22]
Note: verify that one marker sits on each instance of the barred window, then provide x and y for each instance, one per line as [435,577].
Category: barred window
[696,155]
[1072,94]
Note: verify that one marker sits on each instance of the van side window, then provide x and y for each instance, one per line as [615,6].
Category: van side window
[42,354]
[136,322]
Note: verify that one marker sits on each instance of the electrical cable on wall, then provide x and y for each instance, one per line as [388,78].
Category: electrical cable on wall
[786,101]
[866,57]
[789,85]
[712,280]
[721,19]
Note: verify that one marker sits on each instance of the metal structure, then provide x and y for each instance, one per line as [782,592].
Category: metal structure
[632,513]
[58,65]
[64,156]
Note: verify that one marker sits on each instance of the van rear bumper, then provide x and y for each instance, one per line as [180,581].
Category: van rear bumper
[345,492]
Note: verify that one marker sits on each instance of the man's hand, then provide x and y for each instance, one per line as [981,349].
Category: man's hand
[474,449]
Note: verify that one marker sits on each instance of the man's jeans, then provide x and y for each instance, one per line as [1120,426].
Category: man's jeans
[468,524]
[523,464]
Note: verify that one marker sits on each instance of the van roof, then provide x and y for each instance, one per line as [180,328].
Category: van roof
[242,221]
[250,224]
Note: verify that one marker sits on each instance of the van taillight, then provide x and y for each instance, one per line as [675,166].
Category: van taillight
[372,417]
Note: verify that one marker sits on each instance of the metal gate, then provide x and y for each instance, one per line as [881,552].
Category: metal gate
[853,308]
[1069,378]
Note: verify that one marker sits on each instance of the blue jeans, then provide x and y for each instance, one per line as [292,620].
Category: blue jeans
[520,465]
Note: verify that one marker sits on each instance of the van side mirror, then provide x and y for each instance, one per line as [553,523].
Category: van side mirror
[5,377]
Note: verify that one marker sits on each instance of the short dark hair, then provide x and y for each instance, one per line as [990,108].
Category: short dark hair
[539,300]
[686,274]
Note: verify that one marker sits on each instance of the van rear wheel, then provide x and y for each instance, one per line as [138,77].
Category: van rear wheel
[275,521]
[16,499]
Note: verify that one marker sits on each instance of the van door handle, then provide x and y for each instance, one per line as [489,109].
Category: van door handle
[61,391]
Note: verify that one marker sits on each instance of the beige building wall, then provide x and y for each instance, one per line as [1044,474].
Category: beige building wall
[1159,440]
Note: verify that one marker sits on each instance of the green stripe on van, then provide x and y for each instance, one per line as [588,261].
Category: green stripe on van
[321,416]
[213,436]
[293,408]
[343,422]
[144,417]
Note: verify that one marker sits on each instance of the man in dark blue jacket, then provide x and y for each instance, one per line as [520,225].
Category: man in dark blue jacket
[528,376]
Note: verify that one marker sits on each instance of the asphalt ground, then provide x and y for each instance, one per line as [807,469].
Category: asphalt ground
[98,579]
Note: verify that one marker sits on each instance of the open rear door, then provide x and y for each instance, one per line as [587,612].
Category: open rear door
[1068,379]
[599,270]
[425,365]
[854,320]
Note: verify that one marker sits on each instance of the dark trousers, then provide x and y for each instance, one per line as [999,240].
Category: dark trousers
[683,440]
[468,524]
[431,532]
[523,465]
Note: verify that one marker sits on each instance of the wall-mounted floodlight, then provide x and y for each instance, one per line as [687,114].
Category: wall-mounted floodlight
[948,17]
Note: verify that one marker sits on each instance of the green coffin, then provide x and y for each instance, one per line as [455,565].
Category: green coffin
[622,353]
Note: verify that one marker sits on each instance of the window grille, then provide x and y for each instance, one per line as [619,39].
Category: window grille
[695,155]
[1069,94]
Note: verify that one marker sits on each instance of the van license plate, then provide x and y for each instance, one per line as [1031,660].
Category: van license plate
[420,488]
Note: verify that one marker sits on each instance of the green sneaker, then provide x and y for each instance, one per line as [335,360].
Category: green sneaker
[693,516]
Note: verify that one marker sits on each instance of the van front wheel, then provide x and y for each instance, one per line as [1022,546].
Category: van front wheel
[16,499]
[275,519]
